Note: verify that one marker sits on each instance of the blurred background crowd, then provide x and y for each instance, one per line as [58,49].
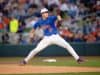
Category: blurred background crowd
[81,20]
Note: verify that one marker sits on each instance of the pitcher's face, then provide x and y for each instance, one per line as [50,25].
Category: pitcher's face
[45,15]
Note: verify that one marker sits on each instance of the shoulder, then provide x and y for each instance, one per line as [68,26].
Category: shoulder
[39,21]
[53,17]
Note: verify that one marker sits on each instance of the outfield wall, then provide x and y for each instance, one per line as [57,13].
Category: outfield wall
[89,49]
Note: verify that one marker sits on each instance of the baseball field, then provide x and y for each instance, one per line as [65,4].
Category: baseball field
[62,66]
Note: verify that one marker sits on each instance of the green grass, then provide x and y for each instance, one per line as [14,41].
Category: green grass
[61,61]
[81,73]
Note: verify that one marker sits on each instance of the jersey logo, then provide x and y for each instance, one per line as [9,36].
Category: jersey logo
[47,27]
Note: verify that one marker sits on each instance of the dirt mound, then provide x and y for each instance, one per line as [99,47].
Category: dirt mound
[17,69]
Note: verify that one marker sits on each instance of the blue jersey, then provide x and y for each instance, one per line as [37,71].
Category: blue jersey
[48,25]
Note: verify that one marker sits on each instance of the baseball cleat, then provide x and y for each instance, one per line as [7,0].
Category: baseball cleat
[23,62]
[80,60]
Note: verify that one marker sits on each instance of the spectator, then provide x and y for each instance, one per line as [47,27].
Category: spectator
[1,24]
[78,37]
[53,2]
[63,6]
[79,15]
[66,33]
[98,36]
[6,22]
[98,22]
[71,8]
[90,38]
[82,10]
[21,40]
[14,25]
[1,27]
[97,7]
[5,38]
[21,27]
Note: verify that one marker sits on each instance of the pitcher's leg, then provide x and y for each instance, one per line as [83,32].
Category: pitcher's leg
[61,42]
[43,44]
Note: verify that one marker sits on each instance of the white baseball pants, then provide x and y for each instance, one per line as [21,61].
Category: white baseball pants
[49,40]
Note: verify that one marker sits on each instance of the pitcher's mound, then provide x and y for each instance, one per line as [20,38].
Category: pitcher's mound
[17,69]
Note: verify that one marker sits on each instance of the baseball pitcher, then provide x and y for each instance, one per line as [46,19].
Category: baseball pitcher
[51,36]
